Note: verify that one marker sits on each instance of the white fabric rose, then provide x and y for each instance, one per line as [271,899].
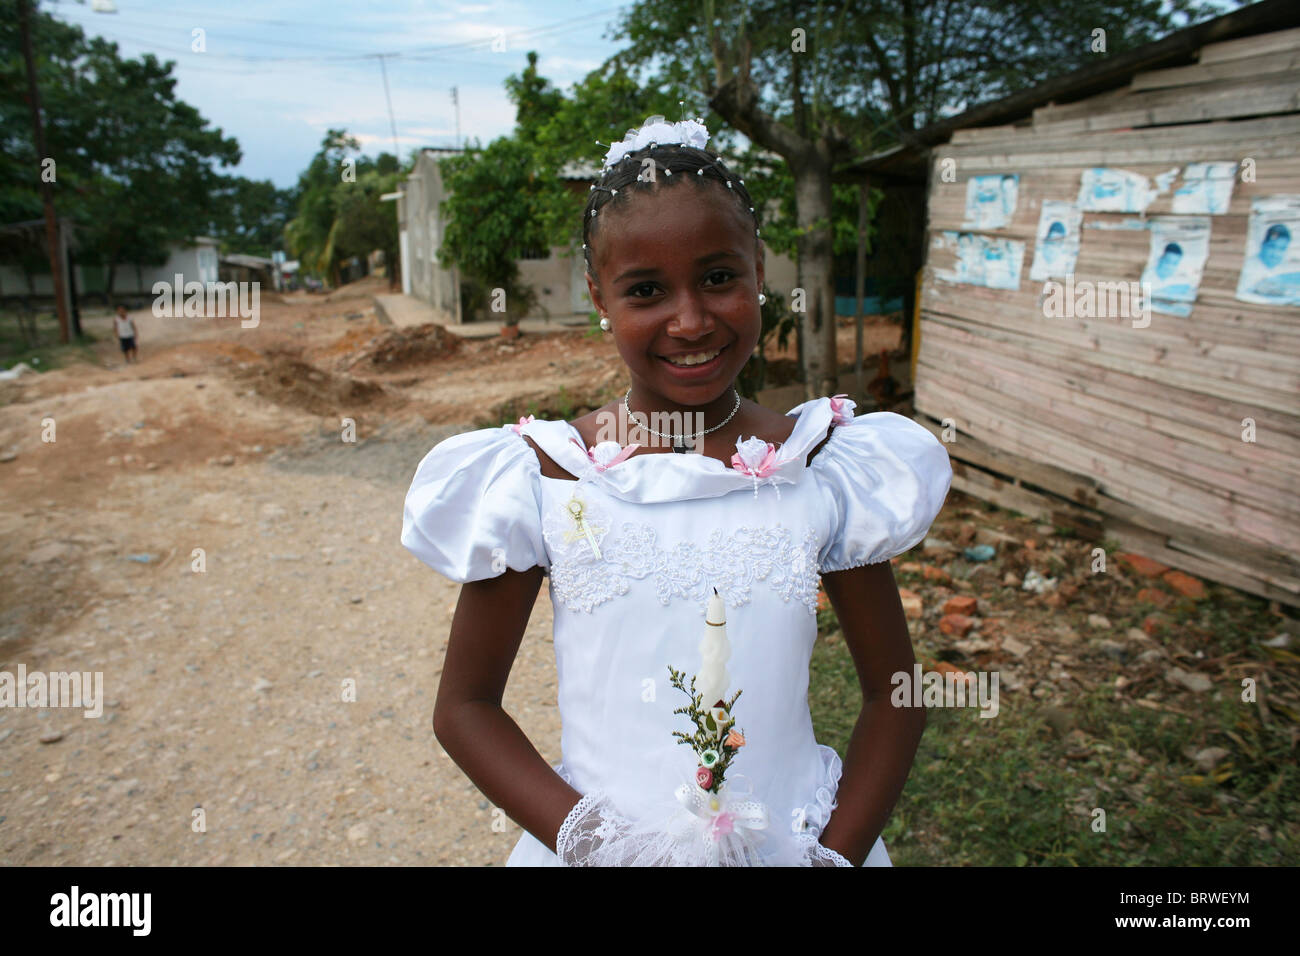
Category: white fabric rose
[657,130]
[605,452]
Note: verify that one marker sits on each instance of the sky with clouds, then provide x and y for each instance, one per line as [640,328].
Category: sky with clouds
[277,74]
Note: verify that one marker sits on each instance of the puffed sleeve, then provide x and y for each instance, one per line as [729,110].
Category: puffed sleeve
[886,478]
[474,506]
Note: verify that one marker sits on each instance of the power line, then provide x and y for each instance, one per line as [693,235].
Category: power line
[210,15]
[187,57]
[414,53]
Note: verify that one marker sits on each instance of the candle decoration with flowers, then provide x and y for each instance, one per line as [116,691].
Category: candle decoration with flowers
[717,824]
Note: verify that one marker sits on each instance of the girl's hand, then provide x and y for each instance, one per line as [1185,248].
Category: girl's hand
[596,834]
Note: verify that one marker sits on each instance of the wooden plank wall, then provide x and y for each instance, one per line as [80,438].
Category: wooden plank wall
[1138,428]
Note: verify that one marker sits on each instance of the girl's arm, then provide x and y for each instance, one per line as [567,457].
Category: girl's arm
[468,719]
[885,737]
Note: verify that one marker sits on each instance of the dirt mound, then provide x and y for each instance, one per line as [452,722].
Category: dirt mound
[395,349]
[287,380]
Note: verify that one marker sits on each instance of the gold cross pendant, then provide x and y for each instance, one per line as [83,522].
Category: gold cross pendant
[582,526]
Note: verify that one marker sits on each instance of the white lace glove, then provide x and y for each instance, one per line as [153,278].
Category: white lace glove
[595,834]
[818,855]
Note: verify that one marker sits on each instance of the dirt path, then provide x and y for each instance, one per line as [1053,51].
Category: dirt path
[225,687]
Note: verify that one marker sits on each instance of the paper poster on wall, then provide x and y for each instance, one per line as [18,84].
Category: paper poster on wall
[1270,274]
[983,260]
[1057,244]
[1179,247]
[1102,189]
[991,201]
[1206,188]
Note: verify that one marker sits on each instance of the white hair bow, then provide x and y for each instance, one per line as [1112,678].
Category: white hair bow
[660,132]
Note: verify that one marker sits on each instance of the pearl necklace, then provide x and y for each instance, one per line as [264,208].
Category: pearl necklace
[679,441]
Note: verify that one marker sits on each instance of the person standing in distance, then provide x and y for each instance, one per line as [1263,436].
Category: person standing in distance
[125,334]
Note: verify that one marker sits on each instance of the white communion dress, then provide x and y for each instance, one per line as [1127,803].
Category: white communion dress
[629,585]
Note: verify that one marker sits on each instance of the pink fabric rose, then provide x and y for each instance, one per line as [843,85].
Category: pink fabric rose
[723,823]
[704,778]
[842,409]
[756,458]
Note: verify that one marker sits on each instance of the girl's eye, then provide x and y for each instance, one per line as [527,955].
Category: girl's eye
[720,275]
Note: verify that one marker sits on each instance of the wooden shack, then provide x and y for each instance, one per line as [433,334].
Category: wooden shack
[1175,432]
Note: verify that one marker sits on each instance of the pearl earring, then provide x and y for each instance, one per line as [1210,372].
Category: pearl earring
[762,299]
[604,323]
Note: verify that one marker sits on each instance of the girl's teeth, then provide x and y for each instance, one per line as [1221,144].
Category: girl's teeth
[694,359]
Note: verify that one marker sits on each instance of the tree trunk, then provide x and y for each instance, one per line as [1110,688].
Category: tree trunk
[72,292]
[915,199]
[812,189]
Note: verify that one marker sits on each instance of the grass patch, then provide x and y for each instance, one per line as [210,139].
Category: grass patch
[47,353]
[1023,788]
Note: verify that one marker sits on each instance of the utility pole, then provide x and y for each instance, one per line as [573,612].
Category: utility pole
[397,150]
[455,99]
[47,193]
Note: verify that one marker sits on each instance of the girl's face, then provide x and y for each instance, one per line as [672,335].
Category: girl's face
[678,277]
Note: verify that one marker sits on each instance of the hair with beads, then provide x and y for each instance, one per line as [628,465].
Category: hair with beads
[672,163]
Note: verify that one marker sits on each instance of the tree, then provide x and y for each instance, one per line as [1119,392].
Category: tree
[338,210]
[134,165]
[252,215]
[508,197]
[823,83]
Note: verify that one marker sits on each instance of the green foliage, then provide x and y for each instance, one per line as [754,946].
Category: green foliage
[871,70]
[135,166]
[708,735]
[497,196]
[771,185]
[44,353]
[252,216]
[508,197]
[338,210]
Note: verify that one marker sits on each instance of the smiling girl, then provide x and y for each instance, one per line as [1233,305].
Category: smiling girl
[635,539]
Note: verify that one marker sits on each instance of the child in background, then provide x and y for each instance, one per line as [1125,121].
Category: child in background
[635,539]
[125,329]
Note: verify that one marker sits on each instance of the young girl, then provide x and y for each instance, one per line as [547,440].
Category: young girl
[636,538]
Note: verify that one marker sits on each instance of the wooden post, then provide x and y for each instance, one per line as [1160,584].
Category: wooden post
[916,322]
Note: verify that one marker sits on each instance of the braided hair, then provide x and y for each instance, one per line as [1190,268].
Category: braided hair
[672,163]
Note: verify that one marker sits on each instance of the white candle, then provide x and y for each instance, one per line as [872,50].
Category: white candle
[712,679]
